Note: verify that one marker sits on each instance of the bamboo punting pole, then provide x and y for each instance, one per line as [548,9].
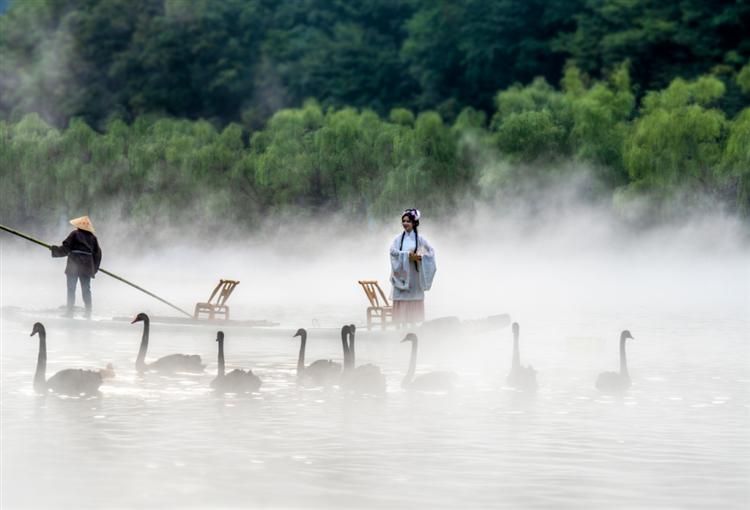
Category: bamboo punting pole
[116,277]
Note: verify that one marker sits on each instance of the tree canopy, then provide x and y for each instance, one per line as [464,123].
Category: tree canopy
[673,146]
[245,108]
[242,60]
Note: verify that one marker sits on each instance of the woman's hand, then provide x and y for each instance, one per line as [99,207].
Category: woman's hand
[414,257]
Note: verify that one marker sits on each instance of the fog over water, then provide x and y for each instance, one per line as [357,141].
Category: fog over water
[677,439]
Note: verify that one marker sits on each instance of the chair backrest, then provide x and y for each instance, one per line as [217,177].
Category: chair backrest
[374,293]
[222,292]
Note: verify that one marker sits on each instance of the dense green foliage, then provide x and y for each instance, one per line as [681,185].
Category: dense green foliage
[200,110]
[661,39]
[674,147]
[242,60]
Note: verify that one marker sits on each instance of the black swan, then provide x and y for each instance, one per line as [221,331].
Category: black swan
[236,381]
[366,378]
[350,335]
[166,364]
[520,378]
[614,382]
[323,372]
[71,381]
[431,381]
[345,346]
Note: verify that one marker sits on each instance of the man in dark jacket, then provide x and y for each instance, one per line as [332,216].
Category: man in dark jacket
[84,256]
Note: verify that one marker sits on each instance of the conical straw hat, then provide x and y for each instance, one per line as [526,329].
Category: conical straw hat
[84,223]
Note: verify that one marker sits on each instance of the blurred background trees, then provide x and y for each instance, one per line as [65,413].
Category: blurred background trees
[100,59]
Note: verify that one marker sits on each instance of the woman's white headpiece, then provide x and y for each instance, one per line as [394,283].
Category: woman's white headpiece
[413,212]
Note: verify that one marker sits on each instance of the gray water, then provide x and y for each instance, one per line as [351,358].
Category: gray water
[678,439]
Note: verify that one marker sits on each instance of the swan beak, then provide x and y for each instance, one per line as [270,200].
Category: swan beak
[406,339]
[134,321]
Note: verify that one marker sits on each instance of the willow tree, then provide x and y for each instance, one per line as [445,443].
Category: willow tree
[286,172]
[601,122]
[29,150]
[532,122]
[677,143]
[736,161]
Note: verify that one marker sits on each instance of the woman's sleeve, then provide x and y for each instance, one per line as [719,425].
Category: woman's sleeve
[427,250]
[395,248]
[399,265]
[427,265]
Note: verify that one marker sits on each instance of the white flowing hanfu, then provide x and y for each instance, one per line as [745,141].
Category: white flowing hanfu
[410,279]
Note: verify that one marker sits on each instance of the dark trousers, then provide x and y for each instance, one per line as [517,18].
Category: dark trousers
[85,290]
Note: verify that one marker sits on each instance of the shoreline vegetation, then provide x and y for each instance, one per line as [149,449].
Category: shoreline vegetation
[196,111]
[674,152]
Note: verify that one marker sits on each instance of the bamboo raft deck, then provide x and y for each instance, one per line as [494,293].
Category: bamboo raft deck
[444,327]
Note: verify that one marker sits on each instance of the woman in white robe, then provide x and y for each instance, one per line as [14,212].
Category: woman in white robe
[412,270]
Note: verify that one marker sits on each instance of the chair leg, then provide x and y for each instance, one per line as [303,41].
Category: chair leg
[369,319]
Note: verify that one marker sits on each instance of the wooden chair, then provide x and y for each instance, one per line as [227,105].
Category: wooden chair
[379,307]
[216,304]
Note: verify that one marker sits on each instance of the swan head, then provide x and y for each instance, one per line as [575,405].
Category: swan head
[219,336]
[515,328]
[410,337]
[140,317]
[38,328]
[625,335]
[108,372]
[345,329]
[300,332]
[352,329]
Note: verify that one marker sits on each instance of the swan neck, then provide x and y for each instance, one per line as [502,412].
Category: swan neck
[412,365]
[352,357]
[623,358]
[40,377]
[301,357]
[516,352]
[345,347]
[221,358]
[140,361]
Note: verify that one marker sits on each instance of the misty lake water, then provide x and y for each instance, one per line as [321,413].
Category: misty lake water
[677,439]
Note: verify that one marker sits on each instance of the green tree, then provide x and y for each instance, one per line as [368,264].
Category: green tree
[601,123]
[662,40]
[343,53]
[533,122]
[736,161]
[463,52]
[743,79]
[677,142]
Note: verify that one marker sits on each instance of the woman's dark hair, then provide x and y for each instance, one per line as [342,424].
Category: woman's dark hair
[415,222]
